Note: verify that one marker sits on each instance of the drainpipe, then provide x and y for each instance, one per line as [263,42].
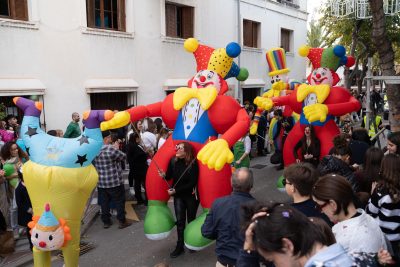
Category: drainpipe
[238,94]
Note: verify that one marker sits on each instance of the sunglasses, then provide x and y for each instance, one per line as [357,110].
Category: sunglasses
[285,182]
[320,207]
[179,147]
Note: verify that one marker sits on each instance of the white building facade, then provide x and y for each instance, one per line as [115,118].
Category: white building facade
[78,55]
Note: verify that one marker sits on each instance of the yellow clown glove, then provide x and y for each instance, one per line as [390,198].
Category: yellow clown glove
[253,128]
[264,103]
[215,154]
[316,112]
[119,120]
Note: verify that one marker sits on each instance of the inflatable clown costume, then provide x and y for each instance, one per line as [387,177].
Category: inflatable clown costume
[198,114]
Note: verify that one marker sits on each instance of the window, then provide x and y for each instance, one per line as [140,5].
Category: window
[251,31]
[113,101]
[14,9]
[106,14]
[179,21]
[286,36]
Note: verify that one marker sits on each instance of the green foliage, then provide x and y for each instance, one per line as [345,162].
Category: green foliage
[345,30]
[314,34]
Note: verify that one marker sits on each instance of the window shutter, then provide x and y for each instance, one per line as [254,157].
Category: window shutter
[121,16]
[247,33]
[187,22]
[255,34]
[285,40]
[90,13]
[21,10]
[170,20]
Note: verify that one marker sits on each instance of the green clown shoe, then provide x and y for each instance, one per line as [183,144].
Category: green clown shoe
[194,240]
[159,221]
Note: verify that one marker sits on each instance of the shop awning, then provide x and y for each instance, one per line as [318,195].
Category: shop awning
[172,84]
[110,85]
[21,86]
[253,83]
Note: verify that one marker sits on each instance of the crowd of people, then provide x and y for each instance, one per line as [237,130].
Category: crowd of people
[347,203]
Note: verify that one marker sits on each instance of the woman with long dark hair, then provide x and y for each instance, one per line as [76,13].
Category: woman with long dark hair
[282,235]
[370,173]
[384,204]
[310,147]
[393,143]
[137,160]
[184,172]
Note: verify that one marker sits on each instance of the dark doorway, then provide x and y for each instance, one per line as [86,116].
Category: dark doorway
[112,101]
[249,94]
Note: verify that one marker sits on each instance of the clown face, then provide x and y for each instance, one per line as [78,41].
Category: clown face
[321,76]
[47,240]
[278,78]
[206,78]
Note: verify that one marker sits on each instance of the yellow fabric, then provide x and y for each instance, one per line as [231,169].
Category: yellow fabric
[264,103]
[372,131]
[67,190]
[253,128]
[321,91]
[215,154]
[206,96]
[316,112]
[119,120]
[220,62]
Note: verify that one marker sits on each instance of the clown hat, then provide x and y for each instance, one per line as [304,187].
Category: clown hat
[331,57]
[276,60]
[219,60]
[47,222]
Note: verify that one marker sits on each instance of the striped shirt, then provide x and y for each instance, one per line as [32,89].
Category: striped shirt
[387,213]
[108,166]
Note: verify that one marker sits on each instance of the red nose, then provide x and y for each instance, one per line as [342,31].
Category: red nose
[318,75]
[202,79]
[42,244]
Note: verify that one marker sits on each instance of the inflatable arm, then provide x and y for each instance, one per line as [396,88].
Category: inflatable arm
[237,130]
[342,108]
[141,112]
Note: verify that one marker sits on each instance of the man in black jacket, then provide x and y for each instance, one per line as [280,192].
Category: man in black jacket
[223,221]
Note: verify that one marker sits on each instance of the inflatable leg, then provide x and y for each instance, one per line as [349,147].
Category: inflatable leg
[159,220]
[325,134]
[67,191]
[212,184]
[292,139]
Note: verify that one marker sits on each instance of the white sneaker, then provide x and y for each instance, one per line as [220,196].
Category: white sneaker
[132,191]
[142,189]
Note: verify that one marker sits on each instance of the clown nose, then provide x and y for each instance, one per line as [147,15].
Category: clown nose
[318,75]
[42,244]
[202,79]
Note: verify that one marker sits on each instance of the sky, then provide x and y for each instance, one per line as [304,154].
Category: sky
[312,5]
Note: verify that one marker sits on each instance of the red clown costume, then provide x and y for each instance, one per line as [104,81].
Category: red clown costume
[198,114]
[319,102]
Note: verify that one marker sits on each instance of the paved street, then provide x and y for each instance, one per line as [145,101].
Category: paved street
[129,246]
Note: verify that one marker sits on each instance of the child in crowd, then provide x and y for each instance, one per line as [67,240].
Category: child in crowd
[24,206]
[384,204]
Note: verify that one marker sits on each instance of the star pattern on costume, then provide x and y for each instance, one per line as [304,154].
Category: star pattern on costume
[81,159]
[31,131]
[83,139]
[27,151]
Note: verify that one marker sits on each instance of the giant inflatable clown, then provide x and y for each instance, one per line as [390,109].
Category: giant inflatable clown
[197,113]
[280,86]
[59,173]
[319,102]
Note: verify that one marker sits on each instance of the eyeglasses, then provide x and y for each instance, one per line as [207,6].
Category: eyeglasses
[320,207]
[285,182]
[179,147]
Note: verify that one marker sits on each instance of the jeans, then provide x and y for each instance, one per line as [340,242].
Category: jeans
[185,208]
[117,195]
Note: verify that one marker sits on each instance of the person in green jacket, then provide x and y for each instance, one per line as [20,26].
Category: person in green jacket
[73,129]
[241,151]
